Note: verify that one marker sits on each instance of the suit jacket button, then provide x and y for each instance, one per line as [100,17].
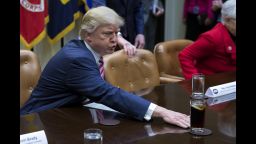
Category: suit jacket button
[229,48]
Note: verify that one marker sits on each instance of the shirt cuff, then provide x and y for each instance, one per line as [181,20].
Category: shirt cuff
[150,111]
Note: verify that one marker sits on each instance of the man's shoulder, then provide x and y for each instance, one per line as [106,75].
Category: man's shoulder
[76,48]
[74,51]
[75,43]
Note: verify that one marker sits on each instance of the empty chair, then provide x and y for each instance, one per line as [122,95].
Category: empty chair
[166,54]
[30,71]
[131,73]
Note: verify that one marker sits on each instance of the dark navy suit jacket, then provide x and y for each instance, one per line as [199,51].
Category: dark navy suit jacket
[71,76]
[132,12]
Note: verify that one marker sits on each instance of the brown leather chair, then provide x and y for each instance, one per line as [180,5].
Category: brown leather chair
[30,71]
[166,54]
[134,73]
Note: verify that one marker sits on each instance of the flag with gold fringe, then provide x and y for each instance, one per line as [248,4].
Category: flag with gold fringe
[62,15]
[85,5]
[33,17]
[88,3]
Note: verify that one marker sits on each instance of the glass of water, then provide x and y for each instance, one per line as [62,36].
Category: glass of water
[93,136]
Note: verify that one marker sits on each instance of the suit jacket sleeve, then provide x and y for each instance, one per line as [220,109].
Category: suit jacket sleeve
[84,79]
[194,53]
[139,18]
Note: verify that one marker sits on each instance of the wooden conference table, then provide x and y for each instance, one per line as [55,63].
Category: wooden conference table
[66,125]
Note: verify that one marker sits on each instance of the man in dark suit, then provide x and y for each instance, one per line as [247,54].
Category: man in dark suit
[132,12]
[73,75]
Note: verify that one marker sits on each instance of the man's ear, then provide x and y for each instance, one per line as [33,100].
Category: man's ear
[88,37]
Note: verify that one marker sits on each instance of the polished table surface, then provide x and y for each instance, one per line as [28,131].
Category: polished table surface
[66,125]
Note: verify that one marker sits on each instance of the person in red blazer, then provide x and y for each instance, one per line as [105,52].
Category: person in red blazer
[215,50]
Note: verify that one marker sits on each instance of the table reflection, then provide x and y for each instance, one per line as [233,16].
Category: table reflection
[104,117]
[31,123]
[226,117]
[197,139]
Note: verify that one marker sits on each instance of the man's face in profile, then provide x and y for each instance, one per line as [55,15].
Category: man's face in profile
[104,39]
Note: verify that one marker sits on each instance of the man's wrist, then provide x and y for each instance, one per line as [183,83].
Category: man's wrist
[158,112]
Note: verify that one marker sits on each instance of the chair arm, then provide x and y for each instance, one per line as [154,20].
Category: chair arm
[171,76]
[164,80]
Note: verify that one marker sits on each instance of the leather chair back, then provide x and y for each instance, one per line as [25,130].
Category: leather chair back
[166,54]
[133,73]
[30,71]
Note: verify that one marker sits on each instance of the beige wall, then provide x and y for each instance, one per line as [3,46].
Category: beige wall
[174,28]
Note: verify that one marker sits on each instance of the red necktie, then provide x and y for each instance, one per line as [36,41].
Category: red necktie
[101,66]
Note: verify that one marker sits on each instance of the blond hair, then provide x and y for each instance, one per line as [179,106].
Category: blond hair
[99,16]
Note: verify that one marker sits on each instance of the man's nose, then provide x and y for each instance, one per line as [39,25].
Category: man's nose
[113,38]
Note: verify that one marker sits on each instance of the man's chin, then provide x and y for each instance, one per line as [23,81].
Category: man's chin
[110,51]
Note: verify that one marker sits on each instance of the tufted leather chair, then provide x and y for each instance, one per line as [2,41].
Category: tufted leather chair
[30,71]
[166,54]
[131,74]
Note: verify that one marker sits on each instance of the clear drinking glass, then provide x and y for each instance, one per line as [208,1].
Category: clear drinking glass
[197,106]
[93,136]
[198,81]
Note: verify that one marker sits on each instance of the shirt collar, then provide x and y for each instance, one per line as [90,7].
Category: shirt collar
[95,54]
